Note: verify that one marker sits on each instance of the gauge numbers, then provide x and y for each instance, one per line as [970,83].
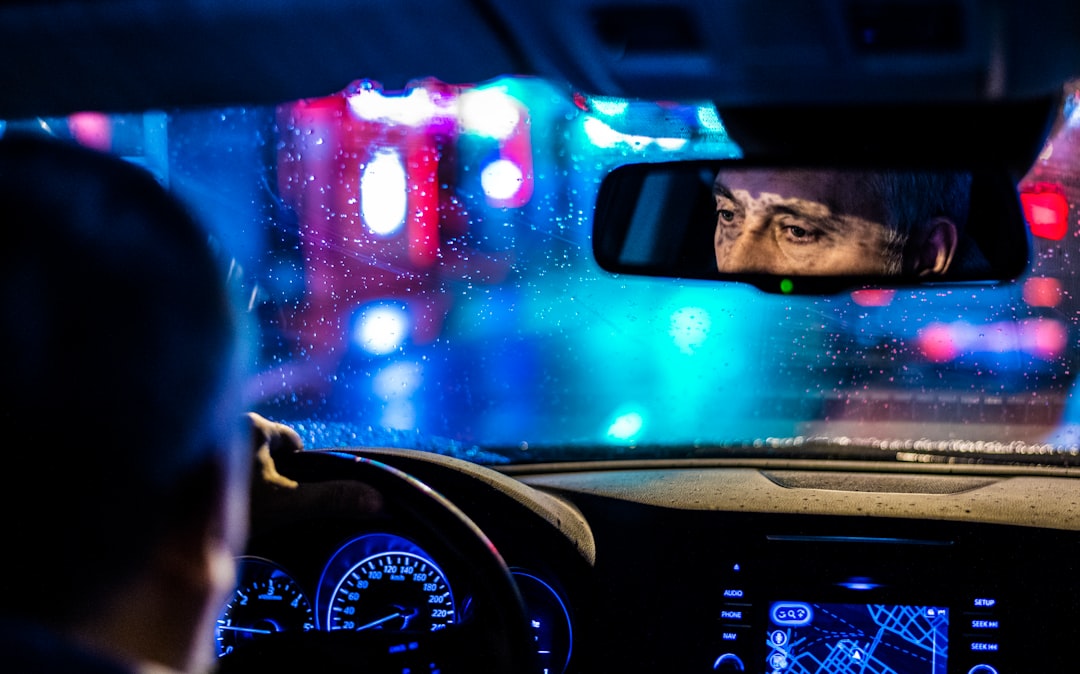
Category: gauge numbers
[266,600]
[399,591]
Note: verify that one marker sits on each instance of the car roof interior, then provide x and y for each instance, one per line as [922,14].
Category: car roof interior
[127,55]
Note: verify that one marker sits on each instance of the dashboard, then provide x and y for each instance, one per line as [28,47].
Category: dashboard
[766,566]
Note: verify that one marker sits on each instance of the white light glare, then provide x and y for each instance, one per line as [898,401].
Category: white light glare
[397,380]
[489,112]
[671,143]
[413,109]
[381,329]
[384,193]
[501,179]
[709,119]
[396,384]
[689,328]
[609,106]
[626,426]
[603,136]
[600,134]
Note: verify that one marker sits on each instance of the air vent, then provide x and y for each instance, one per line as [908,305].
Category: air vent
[877,482]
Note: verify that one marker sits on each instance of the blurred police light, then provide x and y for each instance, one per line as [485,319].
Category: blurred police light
[489,112]
[380,328]
[1042,291]
[411,109]
[625,427]
[1046,210]
[1043,338]
[501,179]
[873,297]
[384,193]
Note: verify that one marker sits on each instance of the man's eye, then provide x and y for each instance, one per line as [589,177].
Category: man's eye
[725,214]
[797,234]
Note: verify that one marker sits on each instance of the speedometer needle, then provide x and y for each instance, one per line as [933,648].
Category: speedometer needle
[379,621]
[249,630]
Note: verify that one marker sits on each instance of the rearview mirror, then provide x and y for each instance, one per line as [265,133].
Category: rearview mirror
[808,229]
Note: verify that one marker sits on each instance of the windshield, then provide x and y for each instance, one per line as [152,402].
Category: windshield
[419,267]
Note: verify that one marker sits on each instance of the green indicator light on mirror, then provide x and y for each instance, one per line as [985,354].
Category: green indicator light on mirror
[786,286]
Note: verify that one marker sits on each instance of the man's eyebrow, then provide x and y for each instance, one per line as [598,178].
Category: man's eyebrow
[829,221]
[719,189]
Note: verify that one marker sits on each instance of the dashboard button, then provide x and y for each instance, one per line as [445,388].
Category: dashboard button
[729,662]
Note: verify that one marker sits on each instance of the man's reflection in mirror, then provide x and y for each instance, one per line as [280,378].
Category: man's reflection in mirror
[827,222]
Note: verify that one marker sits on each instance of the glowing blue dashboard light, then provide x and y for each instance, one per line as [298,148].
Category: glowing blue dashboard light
[791,613]
[859,584]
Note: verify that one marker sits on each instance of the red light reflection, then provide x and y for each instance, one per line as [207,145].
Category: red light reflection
[1046,209]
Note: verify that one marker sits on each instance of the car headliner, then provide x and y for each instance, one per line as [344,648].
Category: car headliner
[126,55]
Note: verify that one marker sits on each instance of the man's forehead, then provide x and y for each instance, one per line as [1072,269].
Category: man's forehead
[840,192]
[796,183]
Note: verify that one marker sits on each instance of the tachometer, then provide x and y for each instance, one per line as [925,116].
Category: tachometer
[267,600]
[392,591]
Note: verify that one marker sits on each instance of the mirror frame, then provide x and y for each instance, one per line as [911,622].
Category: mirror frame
[658,219]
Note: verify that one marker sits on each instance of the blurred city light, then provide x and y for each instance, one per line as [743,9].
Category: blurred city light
[381,328]
[489,112]
[690,328]
[396,384]
[609,106]
[626,427]
[412,109]
[384,193]
[1042,291]
[873,297]
[1046,210]
[601,135]
[1042,338]
[501,179]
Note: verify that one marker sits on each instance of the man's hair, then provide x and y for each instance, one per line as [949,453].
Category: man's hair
[913,199]
[119,339]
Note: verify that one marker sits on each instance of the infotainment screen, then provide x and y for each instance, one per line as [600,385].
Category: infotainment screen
[881,638]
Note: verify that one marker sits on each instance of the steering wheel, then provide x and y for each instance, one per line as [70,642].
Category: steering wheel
[495,637]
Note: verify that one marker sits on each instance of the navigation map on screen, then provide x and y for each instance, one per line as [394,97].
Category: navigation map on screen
[813,638]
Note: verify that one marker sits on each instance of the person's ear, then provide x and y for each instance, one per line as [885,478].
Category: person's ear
[192,572]
[934,253]
[199,549]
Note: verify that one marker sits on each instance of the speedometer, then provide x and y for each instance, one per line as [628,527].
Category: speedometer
[397,589]
[266,600]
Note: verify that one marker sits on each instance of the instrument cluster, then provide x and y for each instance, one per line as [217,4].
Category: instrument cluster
[374,581]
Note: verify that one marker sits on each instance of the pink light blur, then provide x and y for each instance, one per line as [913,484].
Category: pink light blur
[872,297]
[1042,338]
[1042,292]
[92,129]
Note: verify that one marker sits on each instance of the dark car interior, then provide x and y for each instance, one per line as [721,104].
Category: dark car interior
[709,559]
